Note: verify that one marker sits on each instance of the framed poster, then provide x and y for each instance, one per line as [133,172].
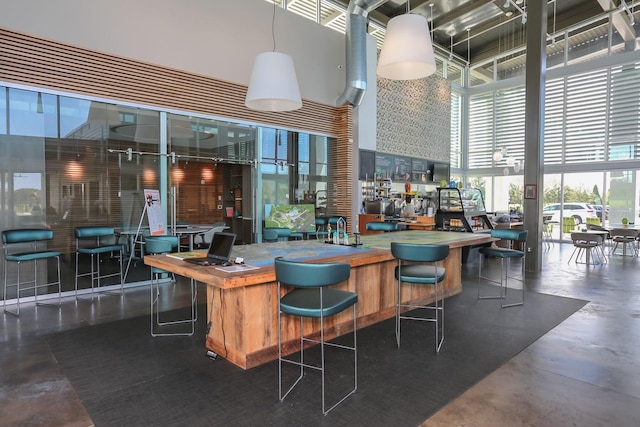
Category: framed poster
[530,191]
[154,212]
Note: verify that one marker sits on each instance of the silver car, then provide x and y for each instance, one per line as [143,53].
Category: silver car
[579,211]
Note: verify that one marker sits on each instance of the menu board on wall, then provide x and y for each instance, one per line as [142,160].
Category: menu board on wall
[402,169]
[384,165]
[367,165]
[419,171]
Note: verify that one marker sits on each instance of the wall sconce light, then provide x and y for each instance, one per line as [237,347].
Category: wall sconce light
[407,52]
[206,175]
[273,85]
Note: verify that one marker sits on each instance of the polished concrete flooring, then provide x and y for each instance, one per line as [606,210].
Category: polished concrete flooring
[585,372]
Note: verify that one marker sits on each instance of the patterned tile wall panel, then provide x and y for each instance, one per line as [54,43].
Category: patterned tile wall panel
[414,118]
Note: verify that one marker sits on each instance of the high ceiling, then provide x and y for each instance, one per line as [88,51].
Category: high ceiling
[478,30]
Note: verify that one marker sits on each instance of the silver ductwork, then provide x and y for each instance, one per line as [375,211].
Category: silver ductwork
[356,50]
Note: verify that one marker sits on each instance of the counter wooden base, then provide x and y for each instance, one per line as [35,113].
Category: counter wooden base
[242,308]
[244,323]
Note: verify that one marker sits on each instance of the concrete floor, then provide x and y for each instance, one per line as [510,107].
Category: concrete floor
[585,372]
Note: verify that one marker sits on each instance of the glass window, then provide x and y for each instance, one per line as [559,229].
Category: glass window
[32,114]
[3,110]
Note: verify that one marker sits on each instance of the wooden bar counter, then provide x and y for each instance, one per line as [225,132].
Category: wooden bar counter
[242,307]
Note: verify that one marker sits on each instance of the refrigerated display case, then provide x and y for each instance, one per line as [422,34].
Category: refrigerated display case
[461,210]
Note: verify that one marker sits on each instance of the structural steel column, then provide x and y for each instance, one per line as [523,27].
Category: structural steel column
[536,68]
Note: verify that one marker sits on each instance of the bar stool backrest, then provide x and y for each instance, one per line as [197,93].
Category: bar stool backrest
[310,275]
[26,235]
[158,245]
[510,234]
[419,252]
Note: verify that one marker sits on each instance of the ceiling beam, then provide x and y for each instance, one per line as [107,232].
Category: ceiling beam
[469,7]
[620,20]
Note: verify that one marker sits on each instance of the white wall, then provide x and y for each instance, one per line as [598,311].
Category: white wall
[217,38]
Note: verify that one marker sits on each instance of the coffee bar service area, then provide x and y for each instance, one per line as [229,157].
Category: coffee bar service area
[417,194]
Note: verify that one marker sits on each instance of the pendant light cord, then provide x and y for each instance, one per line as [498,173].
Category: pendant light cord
[273,26]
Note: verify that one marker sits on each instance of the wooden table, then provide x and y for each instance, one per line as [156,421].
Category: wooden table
[242,307]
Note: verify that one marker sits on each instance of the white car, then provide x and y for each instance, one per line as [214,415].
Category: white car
[579,211]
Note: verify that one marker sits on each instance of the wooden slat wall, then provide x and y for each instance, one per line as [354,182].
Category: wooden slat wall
[48,64]
[340,193]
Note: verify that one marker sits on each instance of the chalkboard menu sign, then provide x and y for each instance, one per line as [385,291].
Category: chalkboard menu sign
[419,171]
[402,169]
[367,165]
[384,165]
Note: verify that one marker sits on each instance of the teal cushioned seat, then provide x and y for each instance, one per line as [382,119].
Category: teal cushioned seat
[16,240]
[100,249]
[321,232]
[156,245]
[306,302]
[382,226]
[504,254]
[419,264]
[512,234]
[270,235]
[501,252]
[30,256]
[285,233]
[417,273]
[312,297]
[95,240]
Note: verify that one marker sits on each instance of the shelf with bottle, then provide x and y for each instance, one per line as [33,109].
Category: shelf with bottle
[383,187]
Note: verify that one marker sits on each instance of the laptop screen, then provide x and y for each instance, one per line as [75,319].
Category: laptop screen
[221,245]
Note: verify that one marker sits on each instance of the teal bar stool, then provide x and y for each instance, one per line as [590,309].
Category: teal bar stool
[154,245]
[22,245]
[311,297]
[421,264]
[321,229]
[95,241]
[505,255]
[270,235]
[382,226]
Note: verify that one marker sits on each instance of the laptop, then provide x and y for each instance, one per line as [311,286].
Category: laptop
[219,250]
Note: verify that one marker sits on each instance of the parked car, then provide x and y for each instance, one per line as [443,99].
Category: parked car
[599,209]
[579,211]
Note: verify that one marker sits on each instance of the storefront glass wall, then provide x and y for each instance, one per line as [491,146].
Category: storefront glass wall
[68,162]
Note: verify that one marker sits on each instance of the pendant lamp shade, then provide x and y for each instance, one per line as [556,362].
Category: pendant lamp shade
[407,52]
[273,85]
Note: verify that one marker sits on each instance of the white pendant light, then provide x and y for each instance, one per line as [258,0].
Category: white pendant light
[273,85]
[407,52]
